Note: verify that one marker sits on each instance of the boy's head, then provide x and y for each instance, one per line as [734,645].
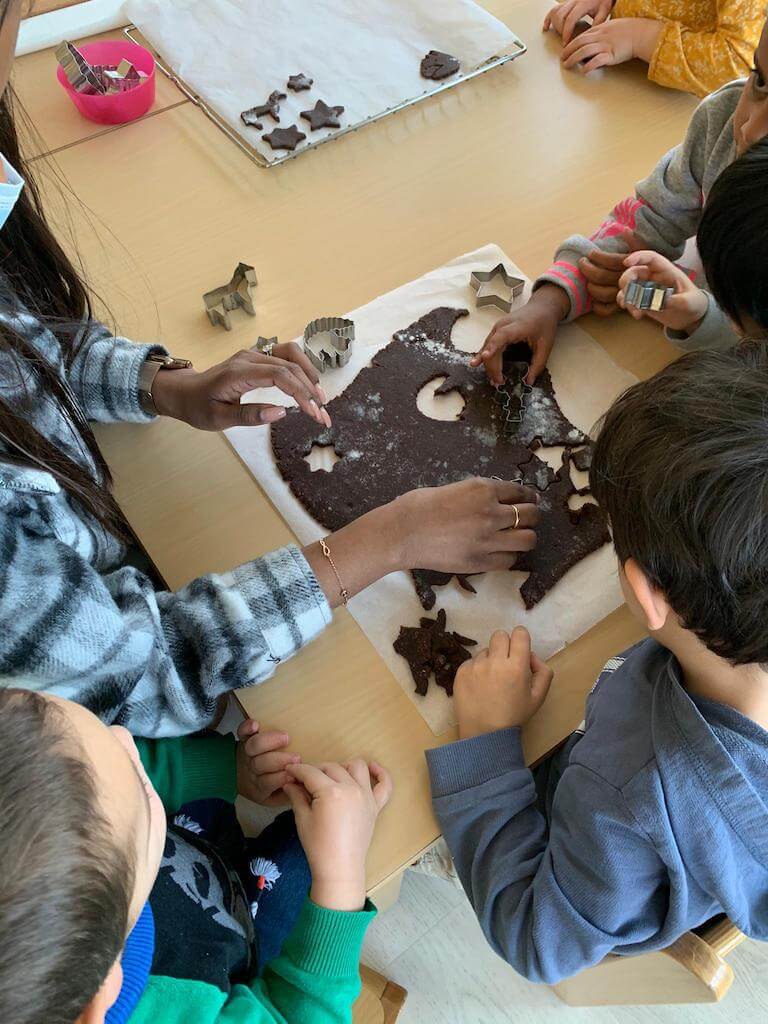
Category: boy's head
[750,120]
[681,469]
[732,239]
[80,845]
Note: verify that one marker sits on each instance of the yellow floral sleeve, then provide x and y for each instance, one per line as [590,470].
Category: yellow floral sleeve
[703,45]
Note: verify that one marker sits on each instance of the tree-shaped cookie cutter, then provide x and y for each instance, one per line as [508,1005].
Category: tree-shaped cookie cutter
[340,333]
[480,280]
[512,398]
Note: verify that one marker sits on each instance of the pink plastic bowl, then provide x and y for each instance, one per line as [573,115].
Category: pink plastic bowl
[117,107]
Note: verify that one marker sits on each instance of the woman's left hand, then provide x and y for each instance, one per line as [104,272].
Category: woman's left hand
[211,400]
[613,42]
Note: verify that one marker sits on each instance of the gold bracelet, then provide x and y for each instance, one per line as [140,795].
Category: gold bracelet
[342,589]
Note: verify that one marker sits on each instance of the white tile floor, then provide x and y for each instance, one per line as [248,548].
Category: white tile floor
[430,943]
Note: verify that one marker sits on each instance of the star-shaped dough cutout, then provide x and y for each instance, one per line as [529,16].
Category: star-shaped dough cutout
[496,287]
[323,116]
[284,138]
[298,82]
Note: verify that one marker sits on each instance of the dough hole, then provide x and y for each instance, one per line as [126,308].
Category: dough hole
[322,457]
[439,407]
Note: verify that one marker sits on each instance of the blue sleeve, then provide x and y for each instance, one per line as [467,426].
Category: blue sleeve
[551,899]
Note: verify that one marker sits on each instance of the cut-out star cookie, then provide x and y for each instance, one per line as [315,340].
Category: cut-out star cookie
[323,116]
[298,82]
[284,138]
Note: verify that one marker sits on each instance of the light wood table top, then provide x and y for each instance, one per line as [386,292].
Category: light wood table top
[521,156]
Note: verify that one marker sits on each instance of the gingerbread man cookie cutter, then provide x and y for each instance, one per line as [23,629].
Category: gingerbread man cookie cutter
[340,334]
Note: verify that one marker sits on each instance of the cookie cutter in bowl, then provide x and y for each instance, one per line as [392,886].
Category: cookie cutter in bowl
[341,334]
[647,295]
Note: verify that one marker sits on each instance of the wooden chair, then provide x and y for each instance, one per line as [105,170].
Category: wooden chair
[692,970]
[380,1001]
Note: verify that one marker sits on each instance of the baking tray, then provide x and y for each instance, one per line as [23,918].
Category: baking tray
[135,35]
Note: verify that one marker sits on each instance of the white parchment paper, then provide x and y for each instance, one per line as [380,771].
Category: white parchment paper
[363,55]
[586,381]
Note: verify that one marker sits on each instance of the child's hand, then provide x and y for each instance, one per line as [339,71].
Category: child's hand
[684,310]
[602,271]
[261,764]
[535,323]
[564,17]
[336,809]
[500,687]
[613,42]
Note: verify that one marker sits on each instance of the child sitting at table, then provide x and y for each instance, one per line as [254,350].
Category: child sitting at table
[653,820]
[732,245]
[664,213]
[695,47]
[107,915]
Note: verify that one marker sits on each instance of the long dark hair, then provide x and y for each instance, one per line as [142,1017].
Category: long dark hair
[44,280]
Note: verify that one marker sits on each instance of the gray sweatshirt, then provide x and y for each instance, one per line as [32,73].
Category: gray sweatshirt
[664,212]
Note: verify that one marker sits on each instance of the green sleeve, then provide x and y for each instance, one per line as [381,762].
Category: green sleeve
[190,768]
[315,980]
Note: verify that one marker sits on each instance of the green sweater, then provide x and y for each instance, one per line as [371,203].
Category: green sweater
[316,978]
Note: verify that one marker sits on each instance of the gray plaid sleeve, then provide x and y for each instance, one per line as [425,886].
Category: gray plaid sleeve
[154,662]
[105,376]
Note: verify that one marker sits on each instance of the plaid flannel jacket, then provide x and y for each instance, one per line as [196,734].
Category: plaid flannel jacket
[77,621]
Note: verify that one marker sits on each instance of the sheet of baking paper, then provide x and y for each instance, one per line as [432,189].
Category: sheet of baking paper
[586,381]
[363,55]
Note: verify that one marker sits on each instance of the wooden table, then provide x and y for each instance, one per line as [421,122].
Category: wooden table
[521,156]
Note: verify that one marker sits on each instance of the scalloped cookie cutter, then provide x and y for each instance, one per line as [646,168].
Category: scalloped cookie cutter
[340,333]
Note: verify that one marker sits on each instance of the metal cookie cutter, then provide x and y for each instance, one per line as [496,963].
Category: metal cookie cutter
[341,334]
[221,301]
[501,297]
[512,397]
[647,295]
[79,72]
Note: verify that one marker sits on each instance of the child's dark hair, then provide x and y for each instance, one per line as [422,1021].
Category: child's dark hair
[65,887]
[681,468]
[733,236]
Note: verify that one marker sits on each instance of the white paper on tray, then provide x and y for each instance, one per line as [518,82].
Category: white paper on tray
[586,381]
[363,55]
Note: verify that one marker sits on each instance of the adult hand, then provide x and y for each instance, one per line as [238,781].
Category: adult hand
[613,42]
[211,400]
[602,271]
[535,323]
[475,525]
[500,687]
[564,17]
[262,763]
[336,807]
[682,311]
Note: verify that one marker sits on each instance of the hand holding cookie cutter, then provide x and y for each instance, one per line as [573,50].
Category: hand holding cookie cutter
[481,280]
[341,333]
[647,295]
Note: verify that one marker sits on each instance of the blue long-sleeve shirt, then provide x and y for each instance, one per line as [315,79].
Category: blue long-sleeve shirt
[658,823]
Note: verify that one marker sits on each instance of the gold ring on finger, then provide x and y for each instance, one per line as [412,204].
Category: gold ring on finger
[517,517]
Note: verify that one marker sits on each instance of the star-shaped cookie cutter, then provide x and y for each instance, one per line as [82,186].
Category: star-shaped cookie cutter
[341,334]
[647,295]
[481,280]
